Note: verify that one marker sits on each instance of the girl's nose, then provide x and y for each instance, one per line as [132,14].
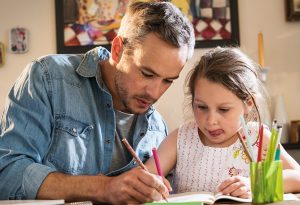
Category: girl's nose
[212,118]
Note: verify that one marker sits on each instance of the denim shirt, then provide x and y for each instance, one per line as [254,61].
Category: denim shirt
[59,117]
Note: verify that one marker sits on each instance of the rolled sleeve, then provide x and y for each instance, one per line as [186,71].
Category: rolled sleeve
[33,177]
[26,128]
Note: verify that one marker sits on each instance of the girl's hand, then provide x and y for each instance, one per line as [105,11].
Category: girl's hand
[236,186]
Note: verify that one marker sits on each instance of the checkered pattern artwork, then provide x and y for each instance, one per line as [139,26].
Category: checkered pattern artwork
[92,22]
[89,23]
[211,18]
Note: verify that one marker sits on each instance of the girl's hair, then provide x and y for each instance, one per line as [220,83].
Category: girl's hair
[235,71]
[161,18]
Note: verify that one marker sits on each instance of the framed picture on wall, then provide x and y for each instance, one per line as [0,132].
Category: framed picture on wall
[215,21]
[18,40]
[84,24]
[293,10]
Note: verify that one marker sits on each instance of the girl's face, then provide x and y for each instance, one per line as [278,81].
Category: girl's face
[217,112]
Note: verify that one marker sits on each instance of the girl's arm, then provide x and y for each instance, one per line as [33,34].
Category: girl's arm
[291,179]
[291,169]
[291,172]
[288,162]
[167,153]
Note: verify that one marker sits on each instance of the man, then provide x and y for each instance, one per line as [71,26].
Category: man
[61,130]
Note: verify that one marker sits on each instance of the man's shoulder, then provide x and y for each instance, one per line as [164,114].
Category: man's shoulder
[84,62]
[59,61]
[156,120]
[53,66]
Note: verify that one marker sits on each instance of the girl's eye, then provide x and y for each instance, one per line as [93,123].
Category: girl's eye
[202,107]
[224,109]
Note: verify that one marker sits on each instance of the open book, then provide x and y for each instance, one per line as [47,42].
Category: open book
[198,198]
[33,202]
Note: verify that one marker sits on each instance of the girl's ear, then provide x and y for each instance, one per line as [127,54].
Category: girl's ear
[116,48]
[249,105]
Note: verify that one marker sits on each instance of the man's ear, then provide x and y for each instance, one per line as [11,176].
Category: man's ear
[116,48]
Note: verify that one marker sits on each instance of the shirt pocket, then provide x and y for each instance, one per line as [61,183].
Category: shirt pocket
[68,152]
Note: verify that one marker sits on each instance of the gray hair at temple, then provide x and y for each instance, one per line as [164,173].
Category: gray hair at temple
[162,18]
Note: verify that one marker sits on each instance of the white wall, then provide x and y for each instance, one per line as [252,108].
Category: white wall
[281,39]
[39,18]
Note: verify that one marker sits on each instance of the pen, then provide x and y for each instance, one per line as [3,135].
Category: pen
[137,159]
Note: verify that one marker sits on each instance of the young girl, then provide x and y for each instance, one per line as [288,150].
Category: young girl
[206,153]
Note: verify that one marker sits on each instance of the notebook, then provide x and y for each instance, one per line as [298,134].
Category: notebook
[199,198]
[33,202]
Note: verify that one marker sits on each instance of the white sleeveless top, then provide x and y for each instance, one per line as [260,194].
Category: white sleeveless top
[203,168]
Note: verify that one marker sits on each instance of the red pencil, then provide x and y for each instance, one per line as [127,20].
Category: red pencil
[260,143]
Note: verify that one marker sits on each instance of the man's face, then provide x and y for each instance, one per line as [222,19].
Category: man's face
[141,78]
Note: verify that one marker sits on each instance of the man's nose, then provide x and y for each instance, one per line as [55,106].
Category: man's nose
[155,89]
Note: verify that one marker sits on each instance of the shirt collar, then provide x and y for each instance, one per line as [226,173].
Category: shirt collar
[89,64]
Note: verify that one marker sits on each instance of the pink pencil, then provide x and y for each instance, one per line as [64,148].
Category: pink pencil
[156,159]
[137,159]
[157,164]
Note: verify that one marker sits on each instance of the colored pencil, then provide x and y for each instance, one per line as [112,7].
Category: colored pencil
[132,152]
[244,146]
[157,163]
[137,159]
[248,140]
[260,143]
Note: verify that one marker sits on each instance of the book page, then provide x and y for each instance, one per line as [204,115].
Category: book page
[33,202]
[206,197]
[193,198]
[221,197]
[290,197]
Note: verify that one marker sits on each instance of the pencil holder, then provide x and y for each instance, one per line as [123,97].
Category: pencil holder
[266,181]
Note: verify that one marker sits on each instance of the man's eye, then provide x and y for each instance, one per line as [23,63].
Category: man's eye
[147,74]
[168,81]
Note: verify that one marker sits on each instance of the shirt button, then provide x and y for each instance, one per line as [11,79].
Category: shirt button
[107,141]
[108,105]
[74,130]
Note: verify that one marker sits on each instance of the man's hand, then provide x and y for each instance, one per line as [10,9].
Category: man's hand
[134,187]
[236,186]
